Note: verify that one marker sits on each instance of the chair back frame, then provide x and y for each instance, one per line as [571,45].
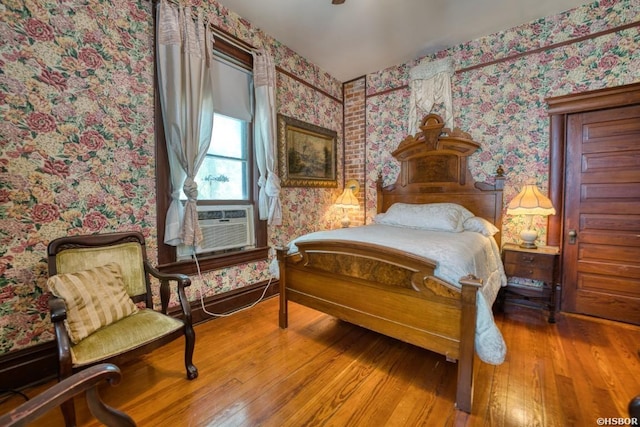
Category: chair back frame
[95,250]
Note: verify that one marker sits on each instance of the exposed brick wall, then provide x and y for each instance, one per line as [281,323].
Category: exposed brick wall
[354,141]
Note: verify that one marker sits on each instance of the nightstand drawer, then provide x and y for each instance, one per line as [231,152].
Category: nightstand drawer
[539,261]
[533,271]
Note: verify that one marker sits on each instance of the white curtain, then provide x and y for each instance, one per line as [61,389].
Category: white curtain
[430,84]
[264,80]
[184,74]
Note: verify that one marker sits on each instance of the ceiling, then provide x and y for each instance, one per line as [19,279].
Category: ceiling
[364,36]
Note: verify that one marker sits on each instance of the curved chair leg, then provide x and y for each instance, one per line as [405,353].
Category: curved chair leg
[190,343]
[65,370]
[68,409]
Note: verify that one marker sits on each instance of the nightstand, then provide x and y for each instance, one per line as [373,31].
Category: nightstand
[540,264]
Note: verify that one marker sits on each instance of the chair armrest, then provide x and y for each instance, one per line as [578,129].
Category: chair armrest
[58,312]
[86,381]
[58,309]
[182,280]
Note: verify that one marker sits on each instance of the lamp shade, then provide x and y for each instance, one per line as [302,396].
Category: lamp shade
[530,201]
[347,199]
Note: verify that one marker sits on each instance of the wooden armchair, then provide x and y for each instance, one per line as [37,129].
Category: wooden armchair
[97,282]
[86,381]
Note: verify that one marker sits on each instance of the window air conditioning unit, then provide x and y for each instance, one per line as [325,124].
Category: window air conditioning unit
[223,227]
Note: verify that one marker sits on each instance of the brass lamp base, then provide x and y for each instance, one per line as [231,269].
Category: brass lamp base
[528,245]
[345,222]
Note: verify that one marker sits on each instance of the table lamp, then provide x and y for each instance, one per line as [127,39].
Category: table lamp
[529,202]
[347,200]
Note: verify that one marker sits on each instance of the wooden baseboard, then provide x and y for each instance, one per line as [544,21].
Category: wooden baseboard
[229,302]
[38,363]
[29,366]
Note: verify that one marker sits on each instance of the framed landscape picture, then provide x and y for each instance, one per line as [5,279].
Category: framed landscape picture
[306,154]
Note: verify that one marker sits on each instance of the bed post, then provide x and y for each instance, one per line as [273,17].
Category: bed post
[464,390]
[379,187]
[283,317]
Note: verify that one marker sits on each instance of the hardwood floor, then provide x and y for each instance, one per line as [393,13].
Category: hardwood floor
[322,371]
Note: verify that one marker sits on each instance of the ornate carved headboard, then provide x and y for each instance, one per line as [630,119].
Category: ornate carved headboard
[434,169]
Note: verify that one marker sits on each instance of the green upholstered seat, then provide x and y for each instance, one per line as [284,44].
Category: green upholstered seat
[123,336]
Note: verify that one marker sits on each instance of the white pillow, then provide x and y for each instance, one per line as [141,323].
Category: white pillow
[480,225]
[431,216]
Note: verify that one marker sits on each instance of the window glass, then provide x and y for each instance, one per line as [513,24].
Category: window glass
[224,173]
[226,129]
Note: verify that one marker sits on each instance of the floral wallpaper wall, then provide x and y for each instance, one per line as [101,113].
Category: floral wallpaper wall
[502,104]
[77,141]
[77,114]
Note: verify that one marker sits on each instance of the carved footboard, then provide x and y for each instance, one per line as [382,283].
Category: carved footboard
[388,291]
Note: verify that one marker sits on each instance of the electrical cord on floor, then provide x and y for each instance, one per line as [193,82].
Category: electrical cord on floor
[204,309]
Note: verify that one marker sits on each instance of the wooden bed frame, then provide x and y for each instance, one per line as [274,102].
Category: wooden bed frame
[393,292]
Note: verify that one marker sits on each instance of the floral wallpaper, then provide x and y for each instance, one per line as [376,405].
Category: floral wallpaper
[77,113]
[77,141]
[502,104]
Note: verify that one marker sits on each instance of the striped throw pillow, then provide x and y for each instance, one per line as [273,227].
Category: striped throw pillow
[94,298]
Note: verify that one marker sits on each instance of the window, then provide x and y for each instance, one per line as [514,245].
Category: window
[226,176]
[225,171]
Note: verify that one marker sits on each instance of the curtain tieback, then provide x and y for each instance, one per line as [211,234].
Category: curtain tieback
[273,185]
[190,189]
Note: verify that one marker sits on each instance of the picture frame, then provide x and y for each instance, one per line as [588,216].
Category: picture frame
[306,154]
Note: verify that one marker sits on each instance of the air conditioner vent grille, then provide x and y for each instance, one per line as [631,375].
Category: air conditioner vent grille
[224,234]
[221,214]
[223,227]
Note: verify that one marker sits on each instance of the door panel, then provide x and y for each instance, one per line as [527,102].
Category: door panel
[601,275]
[611,132]
[597,283]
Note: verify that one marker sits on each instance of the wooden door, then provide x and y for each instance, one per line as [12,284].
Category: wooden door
[601,242]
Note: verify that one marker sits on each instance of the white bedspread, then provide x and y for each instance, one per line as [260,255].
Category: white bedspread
[457,255]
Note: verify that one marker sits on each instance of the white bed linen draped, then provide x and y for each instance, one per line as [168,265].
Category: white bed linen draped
[184,50]
[430,83]
[457,255]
